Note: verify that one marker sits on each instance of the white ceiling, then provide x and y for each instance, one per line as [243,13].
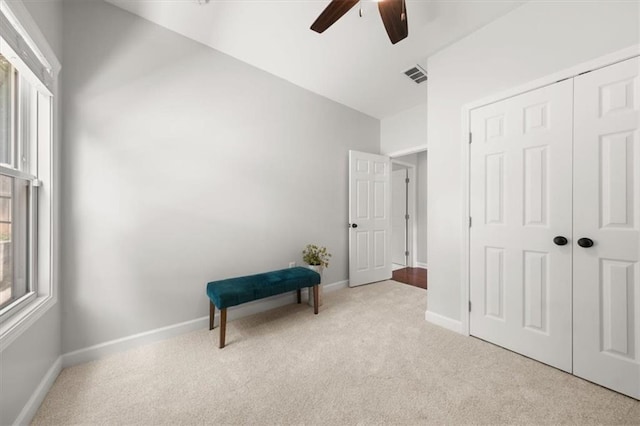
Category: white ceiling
[352,63]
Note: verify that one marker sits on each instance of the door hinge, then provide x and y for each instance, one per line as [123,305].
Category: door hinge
[469,305]
[470,221]
[470,137]
[406,253]
[406,180]
[406,217]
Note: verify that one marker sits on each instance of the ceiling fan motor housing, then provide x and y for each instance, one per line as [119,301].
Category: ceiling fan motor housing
[392,12]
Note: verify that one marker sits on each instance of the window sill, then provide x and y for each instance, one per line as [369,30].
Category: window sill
[13,327]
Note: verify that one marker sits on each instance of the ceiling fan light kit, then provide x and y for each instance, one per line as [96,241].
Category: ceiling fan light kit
[392,12]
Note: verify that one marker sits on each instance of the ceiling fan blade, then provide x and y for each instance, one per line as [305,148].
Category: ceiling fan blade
[333,12]
[394,17]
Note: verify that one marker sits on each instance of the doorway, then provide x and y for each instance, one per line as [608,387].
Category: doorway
[408,218]
[401,219]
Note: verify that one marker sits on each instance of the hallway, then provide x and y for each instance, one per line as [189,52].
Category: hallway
[416,277]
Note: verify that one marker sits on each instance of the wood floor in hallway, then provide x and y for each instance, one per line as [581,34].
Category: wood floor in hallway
[416,277]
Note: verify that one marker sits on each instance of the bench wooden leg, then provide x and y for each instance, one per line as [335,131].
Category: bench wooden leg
[223,326]
[316,293]
[212,314]
[299,292]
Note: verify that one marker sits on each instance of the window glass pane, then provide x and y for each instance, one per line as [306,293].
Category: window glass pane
[6,265]
[5,110]
[28,121]
[14,239]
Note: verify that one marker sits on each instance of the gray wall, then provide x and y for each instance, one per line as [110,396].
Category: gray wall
[404,131]
[182,165]
[25,362]
[27,359]
[48,16]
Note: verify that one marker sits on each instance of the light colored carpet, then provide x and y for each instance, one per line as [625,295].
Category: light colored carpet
[369,357]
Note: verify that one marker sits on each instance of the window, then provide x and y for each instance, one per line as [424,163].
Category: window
[28,83]
[18,190]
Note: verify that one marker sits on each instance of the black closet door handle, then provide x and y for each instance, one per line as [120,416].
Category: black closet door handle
[560,241]
[585,242]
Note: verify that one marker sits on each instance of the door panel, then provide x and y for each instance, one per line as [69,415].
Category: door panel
[520,200]
[370,210]
[606,297]
[362,200]
[494,283]
[494,195]
[536,279]
[535,186]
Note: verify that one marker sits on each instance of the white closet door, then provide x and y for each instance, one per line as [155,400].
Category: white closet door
[520,201]
[606,289]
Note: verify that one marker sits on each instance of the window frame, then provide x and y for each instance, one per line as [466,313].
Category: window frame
[30,39]
[13,100]
[32,240]
[22,111]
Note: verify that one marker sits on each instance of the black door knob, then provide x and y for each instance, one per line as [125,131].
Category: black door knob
[560,241]
[585,242]
[354,225]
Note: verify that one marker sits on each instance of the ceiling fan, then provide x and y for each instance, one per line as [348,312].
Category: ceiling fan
[392,12]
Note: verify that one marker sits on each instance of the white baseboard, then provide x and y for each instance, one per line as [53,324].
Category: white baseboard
[422,265]
[442,321]
[118,345]
[31,407]
[102,350]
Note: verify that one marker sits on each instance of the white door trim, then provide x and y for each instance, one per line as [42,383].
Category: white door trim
[591,65]
[408,151]
[413,223]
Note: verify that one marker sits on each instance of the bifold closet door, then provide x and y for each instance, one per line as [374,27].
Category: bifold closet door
[520,199]
[606,277]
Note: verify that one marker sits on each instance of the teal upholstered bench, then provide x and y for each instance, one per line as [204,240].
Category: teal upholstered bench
[235,291]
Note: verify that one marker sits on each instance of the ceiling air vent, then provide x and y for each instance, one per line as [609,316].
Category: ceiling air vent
[417,74]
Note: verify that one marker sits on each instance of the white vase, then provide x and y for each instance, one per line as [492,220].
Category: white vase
[318,269]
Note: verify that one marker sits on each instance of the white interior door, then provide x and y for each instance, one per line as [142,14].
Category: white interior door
[369,218]
[606,289]
[520,280]
[398,217]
